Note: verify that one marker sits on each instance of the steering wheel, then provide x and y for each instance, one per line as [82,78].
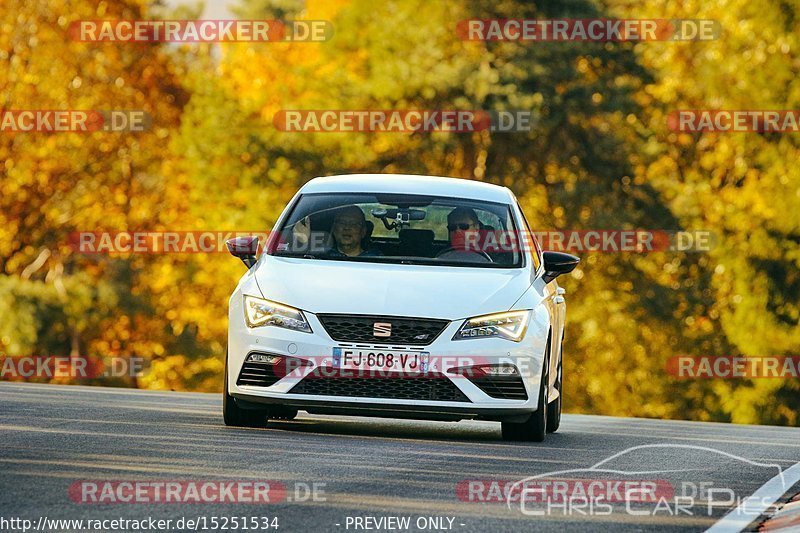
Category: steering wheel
[450,249]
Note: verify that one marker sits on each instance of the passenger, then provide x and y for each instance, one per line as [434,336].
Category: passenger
[349,230]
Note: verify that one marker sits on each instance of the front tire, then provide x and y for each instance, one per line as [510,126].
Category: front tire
[535,428]
[235,416]
[554,408]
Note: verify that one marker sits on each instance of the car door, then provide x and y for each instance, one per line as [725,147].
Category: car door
[559,320]
[553,298]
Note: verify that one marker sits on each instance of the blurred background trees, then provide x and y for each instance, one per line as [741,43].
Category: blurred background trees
[600,156]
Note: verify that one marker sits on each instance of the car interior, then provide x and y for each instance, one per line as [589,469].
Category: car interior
[404,240]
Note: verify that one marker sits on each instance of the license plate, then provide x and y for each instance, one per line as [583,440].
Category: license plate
[380,360]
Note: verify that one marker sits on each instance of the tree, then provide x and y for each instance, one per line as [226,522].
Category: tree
[59,302]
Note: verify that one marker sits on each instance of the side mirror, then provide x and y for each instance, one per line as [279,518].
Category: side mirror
[245,248]
[557,263]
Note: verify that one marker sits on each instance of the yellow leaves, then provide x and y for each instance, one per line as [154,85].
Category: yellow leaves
[177,372]
[324,9]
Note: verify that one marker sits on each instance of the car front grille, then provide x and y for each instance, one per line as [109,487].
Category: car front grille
[362,328]
[501,387]
[402,387]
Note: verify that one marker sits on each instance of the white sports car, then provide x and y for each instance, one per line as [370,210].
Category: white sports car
[399,296]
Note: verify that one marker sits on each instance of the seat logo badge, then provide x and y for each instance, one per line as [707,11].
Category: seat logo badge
[382,329]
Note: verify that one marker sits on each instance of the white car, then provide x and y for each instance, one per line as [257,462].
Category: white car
[398,296]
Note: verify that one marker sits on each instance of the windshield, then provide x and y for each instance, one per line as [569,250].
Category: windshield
[398,228]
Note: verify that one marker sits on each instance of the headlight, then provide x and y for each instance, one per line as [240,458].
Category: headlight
[511,326]
[260,312]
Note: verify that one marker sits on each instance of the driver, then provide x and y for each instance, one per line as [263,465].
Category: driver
[349,229]
[460,221]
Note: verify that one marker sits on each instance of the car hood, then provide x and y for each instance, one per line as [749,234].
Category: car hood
[321,286]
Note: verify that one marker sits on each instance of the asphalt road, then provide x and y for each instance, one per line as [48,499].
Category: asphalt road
[53,438]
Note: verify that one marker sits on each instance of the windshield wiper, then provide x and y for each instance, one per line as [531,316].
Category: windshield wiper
[303,255]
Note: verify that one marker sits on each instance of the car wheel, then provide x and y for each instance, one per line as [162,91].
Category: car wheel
[233,415]
[554,408]
[535,427]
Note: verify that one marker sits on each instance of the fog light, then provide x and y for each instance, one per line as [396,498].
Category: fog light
[485,370]
[500,370]
[264,358]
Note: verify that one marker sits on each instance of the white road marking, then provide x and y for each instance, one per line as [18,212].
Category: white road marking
[757,503]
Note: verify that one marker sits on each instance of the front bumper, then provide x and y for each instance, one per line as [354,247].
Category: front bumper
[315,347]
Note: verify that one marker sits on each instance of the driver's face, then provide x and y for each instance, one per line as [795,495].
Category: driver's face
[348,229]
[460,224]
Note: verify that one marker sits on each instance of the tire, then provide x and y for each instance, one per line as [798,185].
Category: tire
[535,428]
[554,408]
[235,416]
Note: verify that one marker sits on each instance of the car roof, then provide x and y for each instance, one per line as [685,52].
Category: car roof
[409,184]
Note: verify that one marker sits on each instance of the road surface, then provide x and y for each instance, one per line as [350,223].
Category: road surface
[363,474]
